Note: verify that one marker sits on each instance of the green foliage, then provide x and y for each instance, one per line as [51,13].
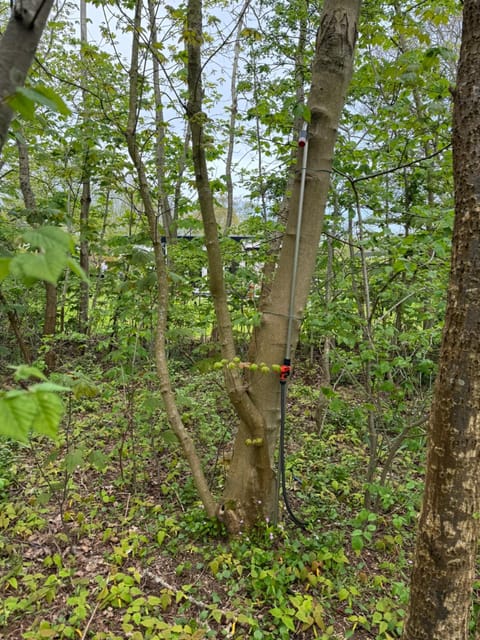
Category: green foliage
[269,583]
[50,255]
[38,408]
[25,99]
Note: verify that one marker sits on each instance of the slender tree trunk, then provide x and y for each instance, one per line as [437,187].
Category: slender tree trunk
[233,118]
[15,326]
[50,315]
[446,548]
[86,198]
[163,204]
[85,202]
[93,306]
[168,395]
[328,340]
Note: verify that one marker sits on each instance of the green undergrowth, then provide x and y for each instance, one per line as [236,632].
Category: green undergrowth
[102,535]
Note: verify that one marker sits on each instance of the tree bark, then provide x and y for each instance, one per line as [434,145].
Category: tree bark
[252,479]
[17,49]
[446,547]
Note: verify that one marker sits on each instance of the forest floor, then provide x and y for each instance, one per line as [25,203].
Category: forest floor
[102,535]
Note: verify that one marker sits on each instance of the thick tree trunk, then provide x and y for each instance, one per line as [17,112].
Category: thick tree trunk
[252,478]
[446,548]
[17,49]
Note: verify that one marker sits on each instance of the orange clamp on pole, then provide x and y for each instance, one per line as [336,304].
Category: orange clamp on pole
[285,371]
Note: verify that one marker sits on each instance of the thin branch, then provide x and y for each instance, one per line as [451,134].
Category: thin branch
[393,169]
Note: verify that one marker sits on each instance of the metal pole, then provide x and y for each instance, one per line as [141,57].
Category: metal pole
[303,142]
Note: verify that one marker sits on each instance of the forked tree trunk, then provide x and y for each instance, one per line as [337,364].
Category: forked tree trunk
[250,493]
[446,548]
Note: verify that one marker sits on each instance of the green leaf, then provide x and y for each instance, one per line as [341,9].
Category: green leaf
[30,267]
[50,98]
[73,459]
[17,413]
[302,111]
[22,104]
[343,594]
[49,237]
[76,269]
[84,388]
[98,459]
[169,437]
[50,412]
[38,408]
[4,267]
[251,34]
[48,386]
[357,542]
[25,371]
[45,96]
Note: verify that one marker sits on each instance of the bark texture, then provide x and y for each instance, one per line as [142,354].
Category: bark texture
[252,476]
[446,548]
[17,49]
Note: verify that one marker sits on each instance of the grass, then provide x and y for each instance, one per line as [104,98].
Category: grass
[102,535]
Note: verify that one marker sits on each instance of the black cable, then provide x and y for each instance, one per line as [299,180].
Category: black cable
[281,454]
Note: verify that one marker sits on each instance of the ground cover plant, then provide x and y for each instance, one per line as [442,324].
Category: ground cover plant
[102,535]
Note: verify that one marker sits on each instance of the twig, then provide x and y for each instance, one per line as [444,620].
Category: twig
[90,620]
[201,604]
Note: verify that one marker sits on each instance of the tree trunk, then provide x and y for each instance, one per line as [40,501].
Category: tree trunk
[233,119]
[15,326]
[85,202]
[17,49]
[163,204]
[86,198]
[50,315]
[252,478]
[168,394]
[446,548]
